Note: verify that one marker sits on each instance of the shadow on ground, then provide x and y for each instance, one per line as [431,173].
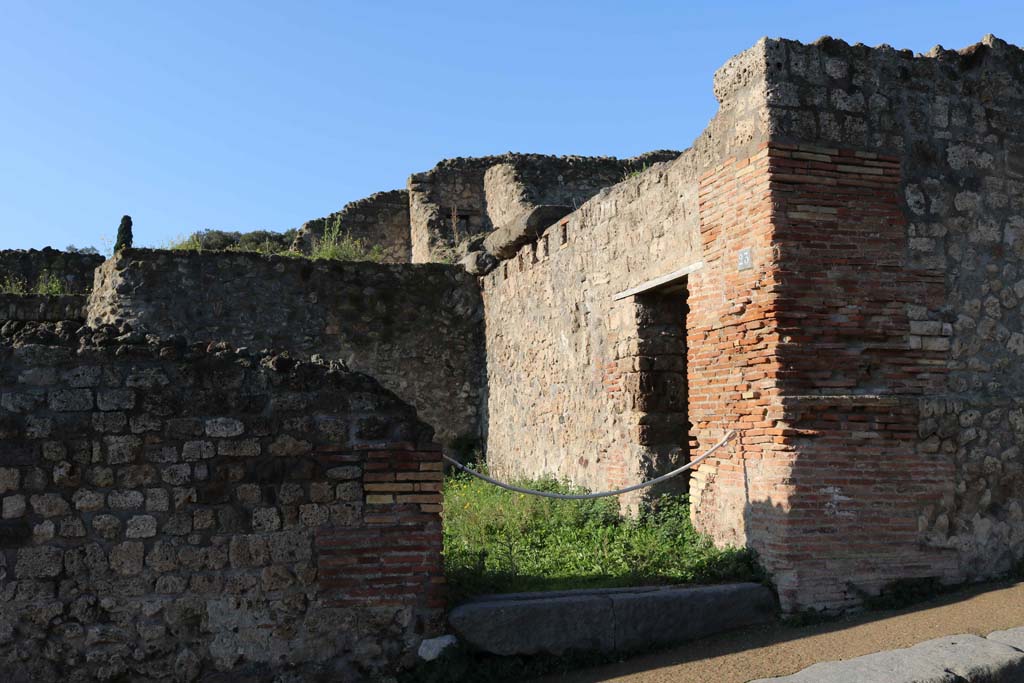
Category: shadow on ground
[782,648]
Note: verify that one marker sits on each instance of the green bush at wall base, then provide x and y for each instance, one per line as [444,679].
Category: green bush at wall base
[497,541]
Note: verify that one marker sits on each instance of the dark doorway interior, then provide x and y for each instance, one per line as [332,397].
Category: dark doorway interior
[665,425]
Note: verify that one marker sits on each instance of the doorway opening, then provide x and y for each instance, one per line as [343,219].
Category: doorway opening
[663,395]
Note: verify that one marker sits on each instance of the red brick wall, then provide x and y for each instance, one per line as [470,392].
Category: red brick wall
[732,340]
[809,356]
[393,557]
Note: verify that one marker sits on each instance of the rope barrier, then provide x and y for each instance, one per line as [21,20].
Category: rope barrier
[602,494]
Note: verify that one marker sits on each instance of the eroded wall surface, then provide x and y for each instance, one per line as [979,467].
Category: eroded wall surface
[190,513]
[415,328]
[951,121]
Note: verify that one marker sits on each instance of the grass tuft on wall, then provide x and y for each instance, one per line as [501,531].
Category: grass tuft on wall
[47,284]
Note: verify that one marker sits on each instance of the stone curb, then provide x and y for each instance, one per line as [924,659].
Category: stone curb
[618,620]
[965,658]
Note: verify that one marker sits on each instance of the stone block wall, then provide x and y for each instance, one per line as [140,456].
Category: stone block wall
[42,308]
[464,197]
[174,512]
[380,220]
[415,328]
[75,270]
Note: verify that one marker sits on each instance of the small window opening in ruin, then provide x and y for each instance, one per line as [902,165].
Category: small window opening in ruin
[565,234]
[662,365]
[459,223]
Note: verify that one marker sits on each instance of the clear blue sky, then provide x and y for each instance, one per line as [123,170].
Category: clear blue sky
[247,115]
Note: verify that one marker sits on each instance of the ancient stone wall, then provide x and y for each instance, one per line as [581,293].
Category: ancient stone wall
[380,220]
[505,196]
[415,328]
[856,319]
[39,307]
[446,206]
[174,512]
[824,478]
[75,270]
[577,385]
[928,316]
[893,182]
[464,197]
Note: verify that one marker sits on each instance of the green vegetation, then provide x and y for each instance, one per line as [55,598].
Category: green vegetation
[497,541]
[341,246]
[258,241]
[13,285]
[190,243]
[335,245]
[48,284]
[635,172]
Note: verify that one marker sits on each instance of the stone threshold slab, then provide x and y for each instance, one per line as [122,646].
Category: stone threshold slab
[608,620]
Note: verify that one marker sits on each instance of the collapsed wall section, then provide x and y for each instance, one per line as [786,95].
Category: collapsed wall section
[463,198]
[379,221]
[171,510]
[415,328]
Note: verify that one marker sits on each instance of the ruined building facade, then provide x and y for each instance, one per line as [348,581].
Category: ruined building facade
[846,243]
[833,272]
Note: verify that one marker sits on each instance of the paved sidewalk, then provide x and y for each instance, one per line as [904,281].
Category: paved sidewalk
[778,650]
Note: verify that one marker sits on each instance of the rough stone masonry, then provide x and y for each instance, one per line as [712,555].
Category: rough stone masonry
[174,511]
[834,270]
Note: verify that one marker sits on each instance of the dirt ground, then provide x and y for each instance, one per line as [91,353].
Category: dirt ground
[777,649]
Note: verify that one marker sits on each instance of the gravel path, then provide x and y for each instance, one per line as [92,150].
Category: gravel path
[778,650]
